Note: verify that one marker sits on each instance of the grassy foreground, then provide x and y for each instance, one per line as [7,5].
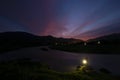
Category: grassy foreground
[26,70]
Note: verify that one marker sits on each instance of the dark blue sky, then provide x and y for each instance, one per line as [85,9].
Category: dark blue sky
[81,19]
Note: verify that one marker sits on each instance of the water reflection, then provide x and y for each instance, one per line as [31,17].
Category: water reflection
[65,61]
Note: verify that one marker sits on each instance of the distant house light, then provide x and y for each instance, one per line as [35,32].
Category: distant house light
[98,42]
[56,43]
[85,44]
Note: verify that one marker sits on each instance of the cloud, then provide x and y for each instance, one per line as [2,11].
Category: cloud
[62,18]
[9,25]
[113,28]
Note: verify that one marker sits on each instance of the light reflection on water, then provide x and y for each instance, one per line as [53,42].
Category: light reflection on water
[65,61]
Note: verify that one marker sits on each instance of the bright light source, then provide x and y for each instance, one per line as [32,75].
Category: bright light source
[85,44]
[98,42]
[84,61]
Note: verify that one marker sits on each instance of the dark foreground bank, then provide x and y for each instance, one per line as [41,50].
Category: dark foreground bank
[27,70]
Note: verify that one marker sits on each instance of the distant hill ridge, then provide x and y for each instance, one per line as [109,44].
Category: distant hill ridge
[114,36]
[15,40]
[24,37]
[107,39]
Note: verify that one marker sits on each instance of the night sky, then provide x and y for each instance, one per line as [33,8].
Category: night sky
[82,19]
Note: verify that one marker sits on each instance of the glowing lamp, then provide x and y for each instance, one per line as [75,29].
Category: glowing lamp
[84,61]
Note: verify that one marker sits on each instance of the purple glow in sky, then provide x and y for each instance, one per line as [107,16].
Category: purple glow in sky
[82,19]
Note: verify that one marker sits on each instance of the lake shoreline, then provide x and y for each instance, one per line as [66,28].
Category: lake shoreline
[109,49]
[68,60]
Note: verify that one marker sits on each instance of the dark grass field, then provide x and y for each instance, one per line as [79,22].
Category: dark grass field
[27,70]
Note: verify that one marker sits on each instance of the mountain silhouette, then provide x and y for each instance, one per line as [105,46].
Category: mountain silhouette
[107,39]
[16,40]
